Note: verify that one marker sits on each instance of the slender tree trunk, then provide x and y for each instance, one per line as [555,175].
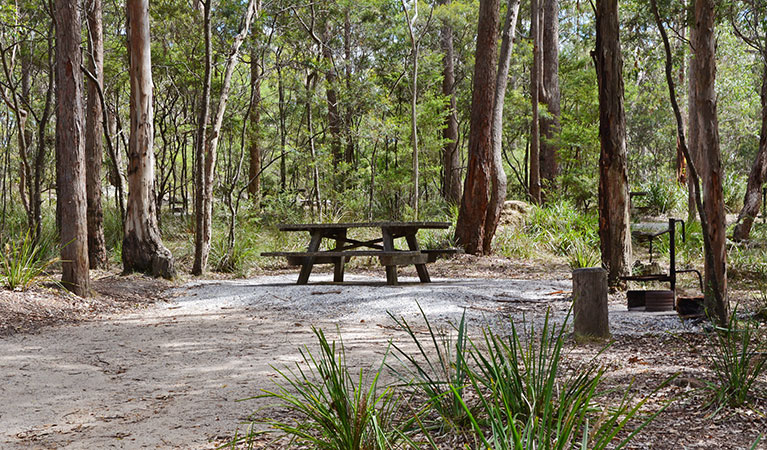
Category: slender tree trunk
[142,250]
[499,181]
[549,124]
[41,158]
[451,154]
[757,177]
[414,43]
[201,249]
[70,149]
[204,234]
[470,228]
[97,252]
[254,170]
[692,124]
[283,128]
[614,233]
[310,86]
[704,66]
[536,80]
[334,119]
[349,153]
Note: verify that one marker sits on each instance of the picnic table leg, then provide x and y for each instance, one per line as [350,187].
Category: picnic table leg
[306,267]
[412,243]
[388,245]
[338,273]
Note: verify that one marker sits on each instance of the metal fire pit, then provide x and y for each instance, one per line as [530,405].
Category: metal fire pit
[656,301]
[652,301]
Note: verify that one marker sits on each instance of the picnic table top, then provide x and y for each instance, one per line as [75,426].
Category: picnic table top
[347,225]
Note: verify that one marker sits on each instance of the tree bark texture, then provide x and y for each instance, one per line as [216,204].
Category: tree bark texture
[143,250]
[536,81]
[70,167]
[254,169]
[97,253]
[753,199]
[550,95]
[470,228]
[704,66]
[614,233]
[451,154]
[499,181]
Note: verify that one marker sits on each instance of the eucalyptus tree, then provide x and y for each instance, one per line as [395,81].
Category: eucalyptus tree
[748,18]
[550,93]
[209,140]
[614,233]
[470,228]
[94,148]
[70,148]
[451,153]
[499,180]
[704,95]
[142,248]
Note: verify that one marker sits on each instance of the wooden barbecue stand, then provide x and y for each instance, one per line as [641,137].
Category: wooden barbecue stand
[346,247]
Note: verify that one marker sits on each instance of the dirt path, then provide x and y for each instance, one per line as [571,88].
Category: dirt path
[168,376]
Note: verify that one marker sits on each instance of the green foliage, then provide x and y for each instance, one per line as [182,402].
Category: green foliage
[581,256]
[329,408]
[524,402]
[440,378]
[736,354]
[21,263]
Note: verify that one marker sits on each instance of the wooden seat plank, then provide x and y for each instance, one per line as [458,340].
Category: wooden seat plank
[346,226]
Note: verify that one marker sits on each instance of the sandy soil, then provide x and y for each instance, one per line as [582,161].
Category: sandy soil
[169,376]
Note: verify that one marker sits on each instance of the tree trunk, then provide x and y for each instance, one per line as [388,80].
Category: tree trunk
[549,125]
[254,170]
[334,119]
[614,233]
[499,181]
[535,89]
[143,250]
[414,43]
[201,249]
[692,124]
[704,66]
[470,229]
[758,175]
[70,167]
[204,233]
[283,127]
[97,252]
[451,154]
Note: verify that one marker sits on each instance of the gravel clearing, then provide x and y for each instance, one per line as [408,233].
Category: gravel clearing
[168,376]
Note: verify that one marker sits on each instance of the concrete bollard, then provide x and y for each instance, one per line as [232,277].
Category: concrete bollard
[590,303]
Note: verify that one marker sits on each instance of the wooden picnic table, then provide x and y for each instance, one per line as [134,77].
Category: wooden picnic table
[345,247]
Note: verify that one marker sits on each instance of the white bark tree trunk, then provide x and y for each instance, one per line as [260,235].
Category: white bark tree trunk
[143,250]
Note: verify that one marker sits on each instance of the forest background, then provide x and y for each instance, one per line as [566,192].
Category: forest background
[308,115]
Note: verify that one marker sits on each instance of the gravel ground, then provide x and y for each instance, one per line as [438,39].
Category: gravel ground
[168,376]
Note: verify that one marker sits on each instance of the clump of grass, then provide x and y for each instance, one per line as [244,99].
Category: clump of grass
[738,359]
[437,369]
[329,408]
[582,255]
[526,403]
[22,262]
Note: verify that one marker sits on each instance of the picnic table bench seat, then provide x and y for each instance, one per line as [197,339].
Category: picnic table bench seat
[346,247]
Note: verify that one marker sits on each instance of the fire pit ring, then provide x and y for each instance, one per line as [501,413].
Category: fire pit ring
[657,301]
